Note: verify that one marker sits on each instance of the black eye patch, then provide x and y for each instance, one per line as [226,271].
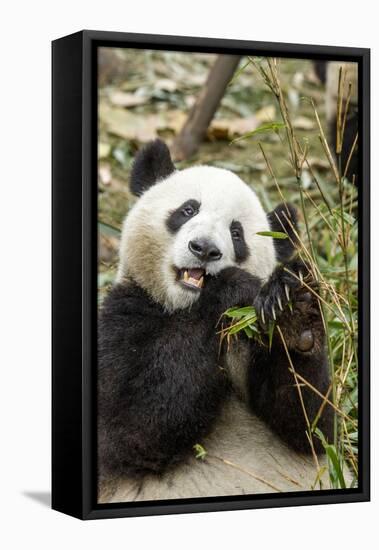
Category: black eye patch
[181,215]
[241,250]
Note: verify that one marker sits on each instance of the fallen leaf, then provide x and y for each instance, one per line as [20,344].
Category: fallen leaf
[318,163]
[124,99]
[306,179]
[165,84]
[196,80]
[105,174]
[229,128]
[173,120]
[129,126]
[108,248]
[303,123]
[189,100]
[103,150]
[266,114]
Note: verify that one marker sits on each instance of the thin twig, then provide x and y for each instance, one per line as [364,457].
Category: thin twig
[245,471]
[350,155]
[292,369]
[324,144]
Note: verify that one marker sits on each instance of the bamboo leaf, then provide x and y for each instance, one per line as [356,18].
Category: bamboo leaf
[270,332]
[335,469]
[249,332]
[108,230]
[200,452]
[271,127]
[273,234]
[238,72]
[239,312]
[245,322]
[348,218]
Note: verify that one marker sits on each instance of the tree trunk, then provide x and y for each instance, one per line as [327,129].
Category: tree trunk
[201,114]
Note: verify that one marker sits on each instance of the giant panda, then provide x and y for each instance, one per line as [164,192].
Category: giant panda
[190,250]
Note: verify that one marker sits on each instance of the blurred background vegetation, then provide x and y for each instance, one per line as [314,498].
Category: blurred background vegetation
[145,94]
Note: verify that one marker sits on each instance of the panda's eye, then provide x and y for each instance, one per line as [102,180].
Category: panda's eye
[236,234]
[182,214]
[188,211]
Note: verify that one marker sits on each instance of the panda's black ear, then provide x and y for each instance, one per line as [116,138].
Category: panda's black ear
[152,164]
[284,220]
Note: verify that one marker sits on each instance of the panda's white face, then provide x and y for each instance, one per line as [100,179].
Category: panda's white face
[190,226]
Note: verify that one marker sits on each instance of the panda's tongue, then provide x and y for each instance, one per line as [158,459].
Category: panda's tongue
[195,273]
[193,277]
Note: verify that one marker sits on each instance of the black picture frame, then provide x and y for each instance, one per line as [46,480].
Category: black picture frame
[74,272]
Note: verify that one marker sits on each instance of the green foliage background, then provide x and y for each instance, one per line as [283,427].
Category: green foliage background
[143,94]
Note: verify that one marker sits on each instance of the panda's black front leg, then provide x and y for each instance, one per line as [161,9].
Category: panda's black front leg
[229,288]
[160,386]
[288,403]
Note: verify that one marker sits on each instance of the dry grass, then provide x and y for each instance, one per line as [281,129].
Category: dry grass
[330,247]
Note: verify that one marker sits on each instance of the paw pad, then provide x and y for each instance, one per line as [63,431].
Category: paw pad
[306,341]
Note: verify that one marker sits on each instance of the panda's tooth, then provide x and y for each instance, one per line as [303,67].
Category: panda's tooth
[185,275]
[201,282]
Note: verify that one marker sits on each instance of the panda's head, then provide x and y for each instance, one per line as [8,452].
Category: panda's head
[187,226]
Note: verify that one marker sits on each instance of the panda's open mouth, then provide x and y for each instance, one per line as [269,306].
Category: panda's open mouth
[192,278]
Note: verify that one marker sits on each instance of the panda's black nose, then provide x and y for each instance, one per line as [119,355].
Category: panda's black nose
[204,250]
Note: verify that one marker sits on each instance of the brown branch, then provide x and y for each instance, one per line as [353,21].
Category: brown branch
[207,103]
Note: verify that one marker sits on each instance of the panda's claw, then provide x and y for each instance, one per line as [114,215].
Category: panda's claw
[273,312]
[287,291]
[263,316]
[280,303]
[301,277]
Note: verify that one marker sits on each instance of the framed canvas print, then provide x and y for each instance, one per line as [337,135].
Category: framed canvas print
[210,274]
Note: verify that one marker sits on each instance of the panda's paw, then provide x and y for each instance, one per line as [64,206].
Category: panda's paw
[302,326]
[278,295]
[230,287]
[234,277]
